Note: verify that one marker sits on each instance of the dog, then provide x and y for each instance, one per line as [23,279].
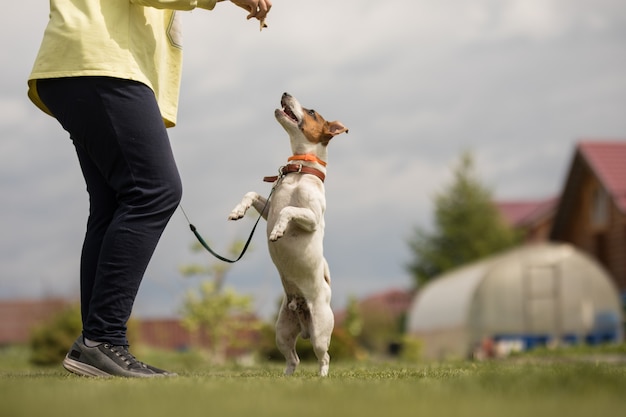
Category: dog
[295,232]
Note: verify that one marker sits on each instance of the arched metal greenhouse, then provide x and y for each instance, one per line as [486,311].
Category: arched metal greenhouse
[533,295]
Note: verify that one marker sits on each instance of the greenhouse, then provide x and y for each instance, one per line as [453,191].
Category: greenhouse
[544,294]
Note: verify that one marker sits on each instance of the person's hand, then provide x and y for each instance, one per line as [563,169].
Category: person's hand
[258,9]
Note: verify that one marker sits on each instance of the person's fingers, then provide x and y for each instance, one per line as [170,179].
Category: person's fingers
[263,7]
[260,10]
[246,5]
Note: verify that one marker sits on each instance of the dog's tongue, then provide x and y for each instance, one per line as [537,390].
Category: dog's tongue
[289,113]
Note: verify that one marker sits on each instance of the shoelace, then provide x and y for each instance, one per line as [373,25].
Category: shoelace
[123,353]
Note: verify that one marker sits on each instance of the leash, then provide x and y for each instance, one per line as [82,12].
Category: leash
[245,247]
[282,171]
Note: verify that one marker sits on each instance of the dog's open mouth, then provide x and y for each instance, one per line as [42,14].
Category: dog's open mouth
[290,114]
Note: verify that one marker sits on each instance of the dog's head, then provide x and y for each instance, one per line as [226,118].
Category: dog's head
[307,129]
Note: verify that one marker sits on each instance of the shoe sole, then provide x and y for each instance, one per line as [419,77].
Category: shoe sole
[83,369]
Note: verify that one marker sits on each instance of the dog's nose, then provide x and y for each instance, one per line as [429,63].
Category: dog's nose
[285,95]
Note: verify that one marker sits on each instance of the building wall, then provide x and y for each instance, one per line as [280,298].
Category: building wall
[598,228]
[445,343]
[539,232]
[616,247]
[18,318]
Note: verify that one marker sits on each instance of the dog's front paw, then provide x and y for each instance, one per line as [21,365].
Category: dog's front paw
[238,212]
[240,209]
[278,231]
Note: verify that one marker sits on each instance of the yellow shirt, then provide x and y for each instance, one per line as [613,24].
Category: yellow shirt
[137,40]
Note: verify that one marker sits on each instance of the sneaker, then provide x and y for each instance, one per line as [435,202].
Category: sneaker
[160,371]
[107,360]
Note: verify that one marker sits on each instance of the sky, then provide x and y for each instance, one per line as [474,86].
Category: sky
[515,82]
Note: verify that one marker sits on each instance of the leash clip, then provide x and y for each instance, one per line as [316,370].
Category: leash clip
[282,173]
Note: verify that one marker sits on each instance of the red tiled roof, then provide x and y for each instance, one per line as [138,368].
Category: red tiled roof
[520,213]
[608,161]
[394,301]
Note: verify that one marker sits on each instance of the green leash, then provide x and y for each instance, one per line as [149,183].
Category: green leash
[245,248]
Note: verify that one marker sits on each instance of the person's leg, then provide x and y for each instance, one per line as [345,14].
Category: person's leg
[139,165]
[117,128]
[102,207]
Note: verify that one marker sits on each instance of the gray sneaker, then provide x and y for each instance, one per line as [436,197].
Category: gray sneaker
[107,360]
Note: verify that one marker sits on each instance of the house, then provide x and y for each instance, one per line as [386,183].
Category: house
[392,304]
[533,217]
[563,286]
[171,334]
[20,317]
[591,211]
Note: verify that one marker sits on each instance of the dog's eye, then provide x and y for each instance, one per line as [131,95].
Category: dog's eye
[311,112]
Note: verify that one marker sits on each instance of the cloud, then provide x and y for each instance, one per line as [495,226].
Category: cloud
[516,82]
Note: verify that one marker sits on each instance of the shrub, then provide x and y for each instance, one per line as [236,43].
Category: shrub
[51,340]
[411,349]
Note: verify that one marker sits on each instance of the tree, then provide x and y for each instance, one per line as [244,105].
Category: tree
[467,226]
[221,313]
[217,270]
[353,323]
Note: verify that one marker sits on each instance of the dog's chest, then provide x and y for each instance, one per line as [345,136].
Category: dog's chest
[298,191]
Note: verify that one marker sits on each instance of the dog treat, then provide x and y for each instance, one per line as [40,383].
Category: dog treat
[262,24]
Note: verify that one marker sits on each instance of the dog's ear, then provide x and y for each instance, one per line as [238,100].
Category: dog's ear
[336,127]
[332,129]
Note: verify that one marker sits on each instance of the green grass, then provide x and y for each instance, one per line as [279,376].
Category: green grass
[522,386]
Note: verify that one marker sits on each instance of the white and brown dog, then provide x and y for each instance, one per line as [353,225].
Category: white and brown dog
[295,230]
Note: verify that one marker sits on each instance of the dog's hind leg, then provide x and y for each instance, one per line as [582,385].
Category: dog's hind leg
[322,323]
[287,330]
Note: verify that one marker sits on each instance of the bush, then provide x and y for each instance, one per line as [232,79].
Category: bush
[382,331]
[411,349]
[51,340]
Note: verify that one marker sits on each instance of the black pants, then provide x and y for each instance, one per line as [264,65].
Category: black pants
[133,185]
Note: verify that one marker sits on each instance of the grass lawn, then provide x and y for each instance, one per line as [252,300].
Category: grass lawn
[526,386]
